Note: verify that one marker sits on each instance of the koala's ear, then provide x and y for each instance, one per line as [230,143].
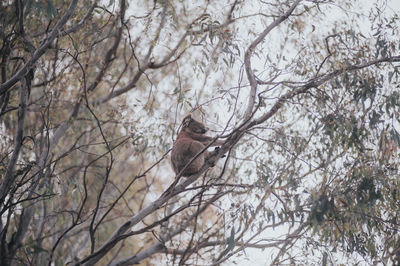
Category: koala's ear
[186,120]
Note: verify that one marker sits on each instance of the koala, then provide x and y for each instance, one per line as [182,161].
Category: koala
[189,142]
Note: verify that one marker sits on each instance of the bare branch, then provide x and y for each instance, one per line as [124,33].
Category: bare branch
[249,52]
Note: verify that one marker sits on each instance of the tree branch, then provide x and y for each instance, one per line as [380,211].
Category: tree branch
[160,246]
[247,58]
[315,82]
[9,176]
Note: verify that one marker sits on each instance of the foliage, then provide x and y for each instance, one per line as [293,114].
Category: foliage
[304,94]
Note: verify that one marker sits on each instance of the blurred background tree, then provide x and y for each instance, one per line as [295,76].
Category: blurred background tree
[304,94]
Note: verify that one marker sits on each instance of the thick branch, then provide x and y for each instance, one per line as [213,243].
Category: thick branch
[8,178]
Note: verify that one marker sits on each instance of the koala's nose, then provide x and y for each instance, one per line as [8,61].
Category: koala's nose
[203,130]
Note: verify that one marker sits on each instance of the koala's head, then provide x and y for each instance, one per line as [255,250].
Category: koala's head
[189,124]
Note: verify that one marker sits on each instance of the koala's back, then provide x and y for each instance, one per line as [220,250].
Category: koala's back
[183,151]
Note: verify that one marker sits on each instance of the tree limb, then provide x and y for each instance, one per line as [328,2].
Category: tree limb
[249,52]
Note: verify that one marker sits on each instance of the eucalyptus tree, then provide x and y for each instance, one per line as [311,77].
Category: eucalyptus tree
[304,95]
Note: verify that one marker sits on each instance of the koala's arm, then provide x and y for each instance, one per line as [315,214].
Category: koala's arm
[205,139]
